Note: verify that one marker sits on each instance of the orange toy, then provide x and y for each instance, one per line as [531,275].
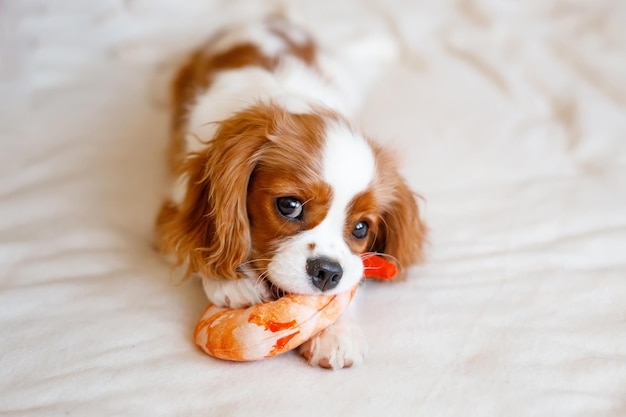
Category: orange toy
[268,329]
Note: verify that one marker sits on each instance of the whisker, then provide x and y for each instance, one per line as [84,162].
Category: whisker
[386,256]
[254,260]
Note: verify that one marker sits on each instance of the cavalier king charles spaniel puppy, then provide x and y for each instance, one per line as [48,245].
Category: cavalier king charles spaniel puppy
[275,191]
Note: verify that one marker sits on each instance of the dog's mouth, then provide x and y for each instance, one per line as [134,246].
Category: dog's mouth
[275,291]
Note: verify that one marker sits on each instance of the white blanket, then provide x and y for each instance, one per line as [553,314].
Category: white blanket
[510,118]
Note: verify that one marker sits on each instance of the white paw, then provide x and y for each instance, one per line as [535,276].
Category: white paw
[236,293]
[341,345]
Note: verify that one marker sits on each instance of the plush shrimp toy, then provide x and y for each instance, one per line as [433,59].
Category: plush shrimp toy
[268,329]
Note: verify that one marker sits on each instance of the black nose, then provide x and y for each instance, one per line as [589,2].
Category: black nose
[325,273]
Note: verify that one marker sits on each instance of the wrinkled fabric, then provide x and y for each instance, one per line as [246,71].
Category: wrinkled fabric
[509,118]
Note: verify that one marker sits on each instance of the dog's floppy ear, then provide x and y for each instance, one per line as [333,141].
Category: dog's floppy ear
[209,230]
[401,233]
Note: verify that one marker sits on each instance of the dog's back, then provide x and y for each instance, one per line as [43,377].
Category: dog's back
[252,56]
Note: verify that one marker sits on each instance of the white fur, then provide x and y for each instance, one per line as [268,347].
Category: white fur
[257,33]
[348,161]
[260,34]
[348,166]
[237,293]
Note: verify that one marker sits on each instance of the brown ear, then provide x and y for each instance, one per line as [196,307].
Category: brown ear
[209,230]
[401,232]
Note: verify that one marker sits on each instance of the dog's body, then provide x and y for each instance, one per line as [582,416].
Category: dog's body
[275,191]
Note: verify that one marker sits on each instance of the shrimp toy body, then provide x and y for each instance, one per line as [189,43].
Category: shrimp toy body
[268,329]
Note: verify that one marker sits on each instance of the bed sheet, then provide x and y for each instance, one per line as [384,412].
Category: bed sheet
[510,120]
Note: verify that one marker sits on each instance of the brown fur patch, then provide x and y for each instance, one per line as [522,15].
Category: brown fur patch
[256,155]
[401,232]
[289,168]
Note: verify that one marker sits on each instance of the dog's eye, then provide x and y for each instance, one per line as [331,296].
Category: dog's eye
[289,207]
[360,230]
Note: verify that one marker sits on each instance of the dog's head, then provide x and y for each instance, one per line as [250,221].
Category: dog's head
[292,198]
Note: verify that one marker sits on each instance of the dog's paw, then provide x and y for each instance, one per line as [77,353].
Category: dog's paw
[236,293]
[341,345]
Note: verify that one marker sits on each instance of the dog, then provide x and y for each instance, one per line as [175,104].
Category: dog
[274,190]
